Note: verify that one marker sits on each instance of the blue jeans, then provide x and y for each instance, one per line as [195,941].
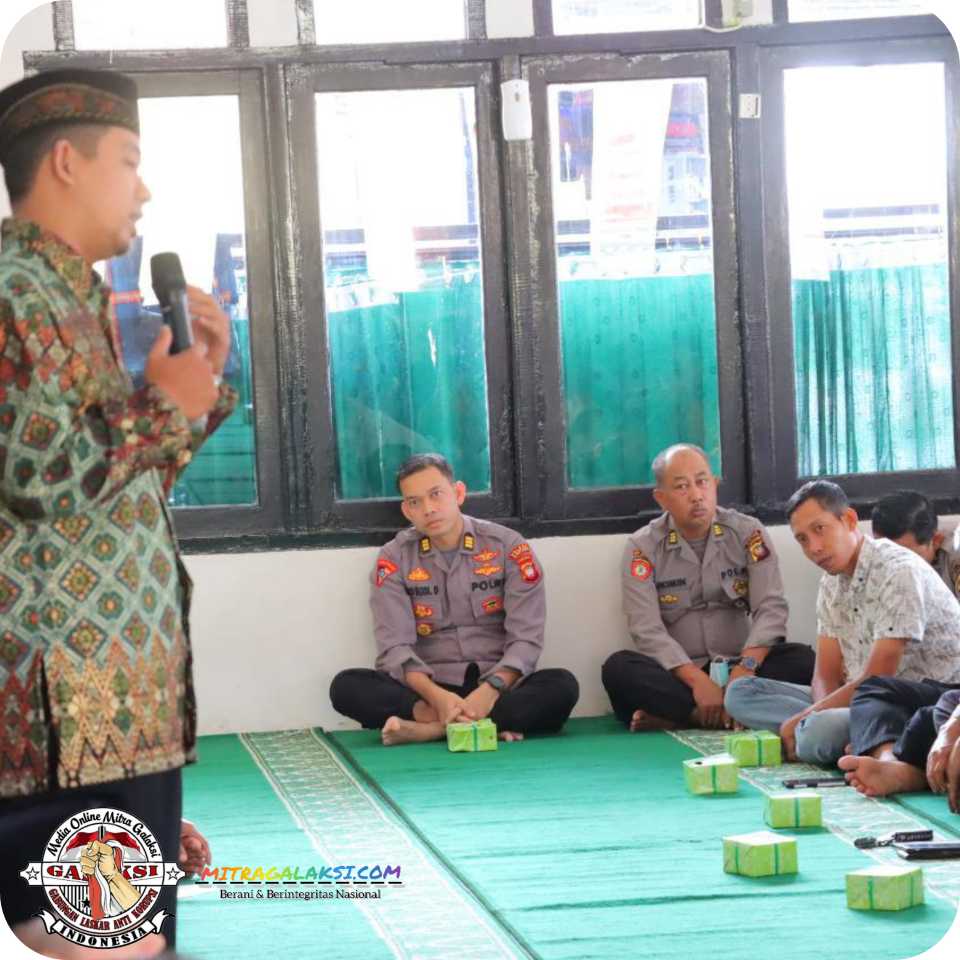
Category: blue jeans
[763,704]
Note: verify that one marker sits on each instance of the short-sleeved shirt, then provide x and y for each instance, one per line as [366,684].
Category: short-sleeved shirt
[684,608]
[947,560]
[893,593]
[437,612]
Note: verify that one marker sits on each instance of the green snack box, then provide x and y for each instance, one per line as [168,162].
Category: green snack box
[716,774]
[760,854]
[795,808]
[472,737]
[885,887]
[754,748]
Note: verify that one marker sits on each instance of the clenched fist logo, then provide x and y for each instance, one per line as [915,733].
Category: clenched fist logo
[110,892]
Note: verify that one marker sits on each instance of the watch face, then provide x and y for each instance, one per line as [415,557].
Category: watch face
[496,682]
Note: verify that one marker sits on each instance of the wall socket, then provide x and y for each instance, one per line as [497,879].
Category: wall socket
[747,13]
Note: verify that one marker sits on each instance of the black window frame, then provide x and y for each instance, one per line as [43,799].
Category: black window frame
[323,509]
[557,501]
[941,484]
[297,518]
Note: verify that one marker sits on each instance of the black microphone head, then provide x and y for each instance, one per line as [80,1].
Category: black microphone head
[166,274]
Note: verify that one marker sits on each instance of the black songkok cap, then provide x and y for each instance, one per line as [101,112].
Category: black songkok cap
[66,96]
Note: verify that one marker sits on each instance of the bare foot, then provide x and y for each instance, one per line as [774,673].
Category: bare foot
[32,934]
[508,736]
[396,731]
[879,778]
[642,721]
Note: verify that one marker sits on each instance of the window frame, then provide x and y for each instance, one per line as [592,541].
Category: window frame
[64,33]
[941,484]
[294,521]
[558,501]
[323,509]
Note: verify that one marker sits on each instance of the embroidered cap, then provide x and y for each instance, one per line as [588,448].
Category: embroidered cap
[66,96]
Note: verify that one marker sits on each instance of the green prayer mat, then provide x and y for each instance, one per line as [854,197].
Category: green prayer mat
[588,845]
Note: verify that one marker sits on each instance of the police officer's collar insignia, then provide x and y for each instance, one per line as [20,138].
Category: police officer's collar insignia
[717,530]
[673,538]
[469,541]
[425,545]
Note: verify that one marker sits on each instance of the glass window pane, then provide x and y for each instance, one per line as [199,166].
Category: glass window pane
[387,21]
[867,189]
[404,293]
[623,16]
[634,236]
[173,24]
[803,10]
[197,212]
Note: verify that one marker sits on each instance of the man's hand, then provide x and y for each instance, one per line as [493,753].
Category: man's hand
[937,760]
[449,707]
[194,852]
[953,779]
[186,378]
[788,734]
[709,699]
[480,702]
[211,327]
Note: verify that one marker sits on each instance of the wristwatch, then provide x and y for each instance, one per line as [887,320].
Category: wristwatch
[749,663]
[496,681]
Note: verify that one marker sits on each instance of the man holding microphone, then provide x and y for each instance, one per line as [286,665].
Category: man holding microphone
[95,659]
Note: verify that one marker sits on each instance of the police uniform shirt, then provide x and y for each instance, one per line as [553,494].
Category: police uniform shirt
[436,613]
[681,609]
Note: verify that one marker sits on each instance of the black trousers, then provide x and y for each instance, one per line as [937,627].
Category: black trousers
[890,710]
[27,823]
[540,704]
[634,681]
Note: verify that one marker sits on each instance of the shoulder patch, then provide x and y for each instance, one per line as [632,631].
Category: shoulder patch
[640,566]
[469,541]
[522,556]
[757,547]
[717,530]
[674,538]
[425,545]
[385,569]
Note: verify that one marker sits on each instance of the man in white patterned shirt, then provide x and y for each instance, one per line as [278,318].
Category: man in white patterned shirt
[881,612]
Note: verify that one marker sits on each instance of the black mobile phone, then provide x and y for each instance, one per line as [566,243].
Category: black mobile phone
[796,783]
[933,850]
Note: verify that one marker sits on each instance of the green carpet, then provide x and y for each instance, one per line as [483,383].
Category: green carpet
[246,823]
[587,845]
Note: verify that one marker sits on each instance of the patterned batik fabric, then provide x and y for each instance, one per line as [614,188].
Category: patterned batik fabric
[95,664]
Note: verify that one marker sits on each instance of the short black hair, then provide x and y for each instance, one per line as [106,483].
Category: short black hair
[904,511]
[422,461]
[23,159]
[830,496]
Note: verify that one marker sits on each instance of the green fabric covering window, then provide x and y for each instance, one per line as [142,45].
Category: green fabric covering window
[409,376]
[872,360]
[639,373]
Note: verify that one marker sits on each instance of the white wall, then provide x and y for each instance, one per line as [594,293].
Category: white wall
[270,630]
[509,18]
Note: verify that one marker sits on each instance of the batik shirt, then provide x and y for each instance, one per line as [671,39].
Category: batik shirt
[95,664]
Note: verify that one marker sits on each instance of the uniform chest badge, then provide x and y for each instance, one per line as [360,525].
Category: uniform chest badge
[640,566]
[421,611]
[492,604]
[673,538]
[487,571]
[485,556]
[418,574]
[424,629]
[384,569]
[669,598]
[740,587]
[756,547]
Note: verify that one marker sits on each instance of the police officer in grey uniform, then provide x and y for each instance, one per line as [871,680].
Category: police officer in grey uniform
[699,582]
[459,611]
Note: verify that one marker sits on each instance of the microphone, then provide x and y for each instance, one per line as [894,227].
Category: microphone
[166,275]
